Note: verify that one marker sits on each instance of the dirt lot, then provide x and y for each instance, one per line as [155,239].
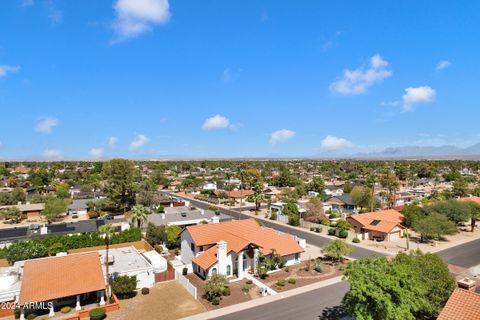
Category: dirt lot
[166,301]
[236,296]
[301,275]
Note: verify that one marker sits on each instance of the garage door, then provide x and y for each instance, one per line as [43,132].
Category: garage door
[395,236]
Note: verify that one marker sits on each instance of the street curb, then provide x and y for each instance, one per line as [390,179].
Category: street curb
[261,301]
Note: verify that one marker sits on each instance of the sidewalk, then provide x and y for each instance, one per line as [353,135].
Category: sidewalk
[262,301]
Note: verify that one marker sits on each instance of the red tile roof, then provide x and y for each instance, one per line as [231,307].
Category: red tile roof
[51,278]
[239,234]
[386,220]
[462,305]
[472,199]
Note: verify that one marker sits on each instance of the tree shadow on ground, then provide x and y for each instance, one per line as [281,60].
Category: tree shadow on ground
[334,313]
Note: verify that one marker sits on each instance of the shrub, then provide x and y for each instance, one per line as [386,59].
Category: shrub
[245,288]
[184,271]
[325,222]
[16,313]
[97,314]
[287,269]
[31,316]
[145,291]
[318,268]
[343,234]
[158,248]
[93,214]
[312,229]
[355,240]
[216,301]
[281,282]
[307,265]
[334,215]
[66,309]
[342,225]
[226,291]
[124,286]
[249,281]
[292,281]
[331,231]
[215,286]
[318,230]
[273,216]
[281,263]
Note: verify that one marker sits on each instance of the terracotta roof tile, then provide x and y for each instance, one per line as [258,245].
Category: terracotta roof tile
[238,234]
[462,304]
[56,277]
[385,220]
[472,199]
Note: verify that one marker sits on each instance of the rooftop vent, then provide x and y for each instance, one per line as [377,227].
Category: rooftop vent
[184,214]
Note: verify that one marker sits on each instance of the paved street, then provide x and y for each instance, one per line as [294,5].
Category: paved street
[305,306]
[310,305]
[466,255]
[316,240]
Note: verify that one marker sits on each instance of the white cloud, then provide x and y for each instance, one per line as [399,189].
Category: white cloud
[6,70]
[334,143]
[416,95]
[442,65]
[96,153]
[54,14]
[134,17]
[216,122]
[229,75]
[281,136]
[112,142]
[358,81]
[139,141]
[52,154]
[27,3]
[395,103]
[46,125]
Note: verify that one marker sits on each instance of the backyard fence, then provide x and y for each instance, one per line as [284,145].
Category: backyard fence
[309,225]
[186,284]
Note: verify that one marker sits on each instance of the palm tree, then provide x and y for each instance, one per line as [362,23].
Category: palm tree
[107,230]
[258,196]
[139,214]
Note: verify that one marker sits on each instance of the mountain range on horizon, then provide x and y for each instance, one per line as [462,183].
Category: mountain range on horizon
[441,152]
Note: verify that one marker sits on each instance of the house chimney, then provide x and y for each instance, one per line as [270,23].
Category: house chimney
[215,219]
[222,257]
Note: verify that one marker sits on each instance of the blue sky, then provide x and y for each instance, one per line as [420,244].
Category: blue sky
[158,78]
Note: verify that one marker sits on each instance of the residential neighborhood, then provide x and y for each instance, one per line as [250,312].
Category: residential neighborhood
[278,233]
[225,160]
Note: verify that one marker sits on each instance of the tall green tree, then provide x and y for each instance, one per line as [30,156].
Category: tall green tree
[411,286]
[139,214]
[434,226]
[53,209]
[119,181]
[173,236]
[336,250]
[107,230]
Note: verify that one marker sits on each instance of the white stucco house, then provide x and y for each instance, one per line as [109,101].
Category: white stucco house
[234,247]
[210,186]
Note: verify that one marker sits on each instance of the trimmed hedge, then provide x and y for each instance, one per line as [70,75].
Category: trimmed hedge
[331,231]
[343,234]
[66,309]
[97,314]
[355,240]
